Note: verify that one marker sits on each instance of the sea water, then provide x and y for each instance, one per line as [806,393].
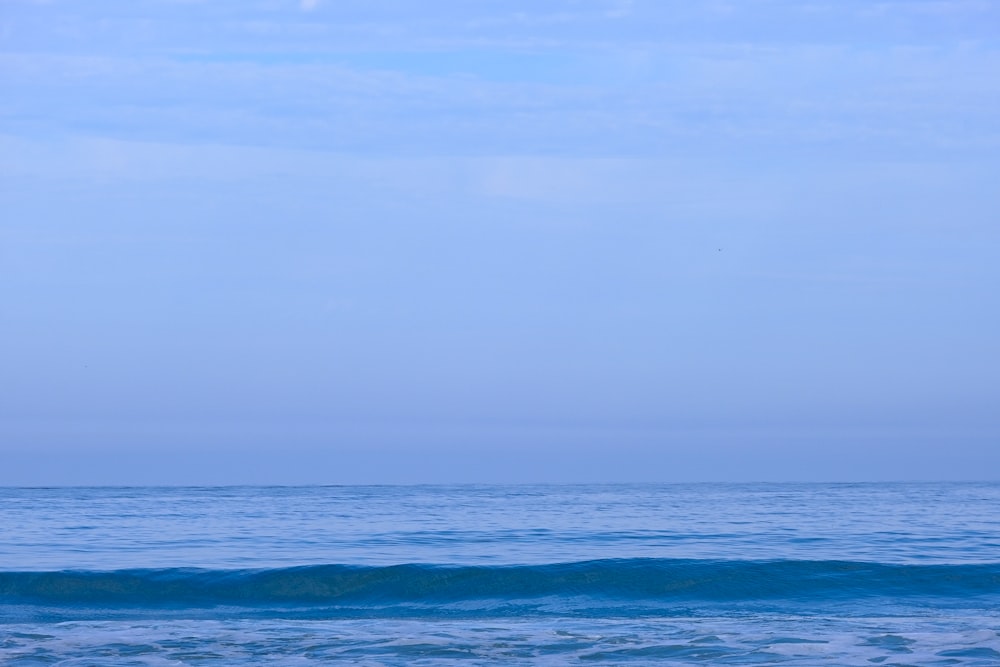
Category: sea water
[755,574]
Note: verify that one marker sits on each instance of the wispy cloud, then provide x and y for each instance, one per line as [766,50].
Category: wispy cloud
[229,26]
[553,78]
[704,99]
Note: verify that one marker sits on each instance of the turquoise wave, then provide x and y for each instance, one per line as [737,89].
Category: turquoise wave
[625,579]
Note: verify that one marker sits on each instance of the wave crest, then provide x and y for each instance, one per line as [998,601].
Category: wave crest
[625,579]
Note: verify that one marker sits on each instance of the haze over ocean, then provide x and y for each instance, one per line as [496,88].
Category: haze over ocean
[413,333]
[368,242]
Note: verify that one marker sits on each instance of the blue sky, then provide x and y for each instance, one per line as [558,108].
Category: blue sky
[337,242]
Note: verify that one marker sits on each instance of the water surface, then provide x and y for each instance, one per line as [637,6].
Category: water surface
[787,574]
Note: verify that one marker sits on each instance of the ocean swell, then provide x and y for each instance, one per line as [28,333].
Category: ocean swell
[624,579]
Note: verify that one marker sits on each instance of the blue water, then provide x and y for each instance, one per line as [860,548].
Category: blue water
[771,574]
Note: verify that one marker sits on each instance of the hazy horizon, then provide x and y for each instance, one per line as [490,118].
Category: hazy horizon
[336,242]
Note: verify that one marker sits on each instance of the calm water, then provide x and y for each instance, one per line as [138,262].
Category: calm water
[898,574]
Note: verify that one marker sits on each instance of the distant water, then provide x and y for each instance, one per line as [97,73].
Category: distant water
[770,574]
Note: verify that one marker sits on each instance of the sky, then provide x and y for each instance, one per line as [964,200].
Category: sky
[338,242]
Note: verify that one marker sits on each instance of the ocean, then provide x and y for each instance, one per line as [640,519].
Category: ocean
[713,574]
